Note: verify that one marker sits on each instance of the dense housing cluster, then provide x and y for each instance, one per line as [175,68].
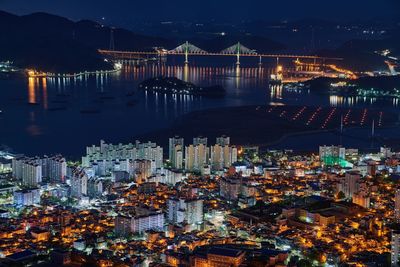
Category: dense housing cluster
[198,204]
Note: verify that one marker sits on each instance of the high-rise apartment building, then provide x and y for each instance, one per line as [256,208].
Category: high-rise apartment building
[176,146]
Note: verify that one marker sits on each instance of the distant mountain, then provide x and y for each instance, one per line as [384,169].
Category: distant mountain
[52,43]
[361,54]
[380,83]
[312,23]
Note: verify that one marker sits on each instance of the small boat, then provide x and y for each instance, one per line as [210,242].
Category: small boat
[33,104]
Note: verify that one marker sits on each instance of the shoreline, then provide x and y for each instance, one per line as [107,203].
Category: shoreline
[377,139]
[66,75]
[247,130]
[278,131]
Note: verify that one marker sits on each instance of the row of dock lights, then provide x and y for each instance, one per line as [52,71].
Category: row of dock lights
[380,118]
[38,74]
[301,111]
[347,117]
[363,116]
[328,119]
[311,119]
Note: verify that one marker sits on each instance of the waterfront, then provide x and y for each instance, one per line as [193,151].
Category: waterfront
[42,115]
[199,135]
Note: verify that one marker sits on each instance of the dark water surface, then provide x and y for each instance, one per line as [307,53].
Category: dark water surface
[63,115]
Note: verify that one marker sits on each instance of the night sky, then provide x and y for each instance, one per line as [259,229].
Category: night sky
[207,9]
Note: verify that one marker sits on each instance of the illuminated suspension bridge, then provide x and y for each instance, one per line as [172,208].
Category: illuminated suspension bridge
[187,49]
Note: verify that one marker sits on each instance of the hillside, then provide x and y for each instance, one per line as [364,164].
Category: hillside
[359,55]
[381,83]
[52,43]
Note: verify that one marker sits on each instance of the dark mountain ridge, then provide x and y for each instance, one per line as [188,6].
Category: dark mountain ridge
[51,43]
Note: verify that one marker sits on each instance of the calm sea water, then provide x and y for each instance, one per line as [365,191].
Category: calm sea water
[63,115]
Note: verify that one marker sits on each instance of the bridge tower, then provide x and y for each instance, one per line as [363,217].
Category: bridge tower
[187,52]
[186,49]
[238,54]
[237,50]
[297,64]
[278,71]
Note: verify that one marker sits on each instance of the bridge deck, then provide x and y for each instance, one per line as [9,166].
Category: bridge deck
[131,54]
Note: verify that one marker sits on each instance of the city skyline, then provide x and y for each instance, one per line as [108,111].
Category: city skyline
[199,134]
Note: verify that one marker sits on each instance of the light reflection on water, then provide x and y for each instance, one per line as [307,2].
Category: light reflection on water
[234,77]
[245,85]
[244,77]
[355,101]
[54,117]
